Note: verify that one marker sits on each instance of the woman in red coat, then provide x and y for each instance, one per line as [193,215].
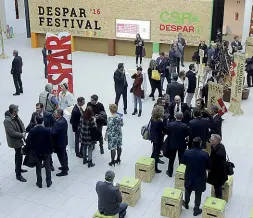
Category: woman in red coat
[137,91]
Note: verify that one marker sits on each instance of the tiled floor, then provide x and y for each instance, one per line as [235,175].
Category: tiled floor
[74,196]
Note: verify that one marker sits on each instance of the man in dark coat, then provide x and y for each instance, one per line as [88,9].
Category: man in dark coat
[45,53]
[161,64]
[176,142]
[16,71]
[217,175]
[109,197]
[192,83]
[236,45]
[39,142]
[216,122]
[197,163]
[15,135]
[75,122]
[178,106]
[101,117]
[199,127]
[173,61]
[175,88]
[60,141]
[120,84]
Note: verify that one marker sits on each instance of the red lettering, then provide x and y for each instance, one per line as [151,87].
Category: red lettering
[173,28]
[60,79]
[179,28]
[191,29]
[60,43]
[56,68]
[55,57]
[185,29]
[162,27]
[167,27]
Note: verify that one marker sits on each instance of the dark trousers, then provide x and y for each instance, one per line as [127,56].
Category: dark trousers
[18,161]
[218,191]
[178,65]
[137,57]
[156,151]
[124,94]
[172,157]
[198,195]
[250,79]
[101,140]
[45,71]
[153,89]
[46,160]
[63,158]
[18,83]
[122,210]
[78,150]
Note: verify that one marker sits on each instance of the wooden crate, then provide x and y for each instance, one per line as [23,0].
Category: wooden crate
[179,177]
[171,203]
[208,148]
[131,190]
[98,215]
[227,189]
[251,213]
[145,169]
[214,207]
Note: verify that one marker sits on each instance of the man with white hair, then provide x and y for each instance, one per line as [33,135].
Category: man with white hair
[16,71]
[109,197]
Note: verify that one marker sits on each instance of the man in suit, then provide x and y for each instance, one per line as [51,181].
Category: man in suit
[161,66]
[100,115]
[15,135]
[120,84]
[236,45]
[109,197]
[44,54]
[60,141]
[177,134]
[39,142]
[192,83]
[173,61]
[175,88]
[181,41]
[216,122]
[178,106]
[75,122]
[16,71]
[197,163]
[199,127]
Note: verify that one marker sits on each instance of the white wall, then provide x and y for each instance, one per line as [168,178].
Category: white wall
[18,25]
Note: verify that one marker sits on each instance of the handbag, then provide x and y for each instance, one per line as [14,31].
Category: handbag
[95,134]
[156,75]
[143,52]
[145,131]
[229,167]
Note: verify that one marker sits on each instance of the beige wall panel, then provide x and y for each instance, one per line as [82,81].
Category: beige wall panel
[91,45]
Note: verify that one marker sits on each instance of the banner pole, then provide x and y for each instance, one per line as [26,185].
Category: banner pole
[2,56]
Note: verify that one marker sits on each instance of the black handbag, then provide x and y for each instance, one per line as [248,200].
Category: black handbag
[96,134]
[229,167]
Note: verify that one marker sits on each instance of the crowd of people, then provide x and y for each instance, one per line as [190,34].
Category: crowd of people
[175,127]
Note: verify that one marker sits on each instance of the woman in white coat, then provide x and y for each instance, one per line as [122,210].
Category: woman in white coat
[66,99]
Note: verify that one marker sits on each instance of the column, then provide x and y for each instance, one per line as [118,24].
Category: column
[111,47]
[246,20]
[34,40]
[156,47]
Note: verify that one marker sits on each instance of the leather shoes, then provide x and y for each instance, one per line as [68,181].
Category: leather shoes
[49,184]
[52,168]
[186,206]
[158,171]
[169,174]
[62,174]
[21,179]
[15,94]
[79,155]
[39,185]
[160,161]
[197,212]
[101,149]
[23,171]
[60,168]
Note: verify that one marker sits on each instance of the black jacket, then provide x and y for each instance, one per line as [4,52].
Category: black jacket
[236,47]
[216,125]
[174,89]
[156,131]
[191,81]
[217,175]
[173,58]
[120,82]
[75,118]
[60,133]
[17,65]
[184,109]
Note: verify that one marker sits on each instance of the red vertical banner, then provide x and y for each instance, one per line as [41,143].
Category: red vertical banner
[59,61]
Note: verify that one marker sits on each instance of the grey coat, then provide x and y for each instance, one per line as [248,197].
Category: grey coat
[14,128]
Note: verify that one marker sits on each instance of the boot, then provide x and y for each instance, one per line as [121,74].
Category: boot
[90,164]
[101,149]
[135,112]
[85,161]
[139,113]
[112,163]
[118,161]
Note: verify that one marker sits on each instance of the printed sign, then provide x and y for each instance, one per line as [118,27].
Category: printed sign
[129,29]
[215,92]
[60,61]
[237,84]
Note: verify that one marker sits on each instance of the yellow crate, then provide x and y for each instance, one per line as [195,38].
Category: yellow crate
[131,190]
[179,177]
[227,189]
[214,207]
[98,215]
[171,203]
[145,169]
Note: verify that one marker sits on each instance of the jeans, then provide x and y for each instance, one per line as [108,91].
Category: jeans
[18,83]
[139,101]
[63,158]
[124,94]
[18,161]
[189,98]
[77,149]
[137,57]
[89,148]
[218,191]
[172,157]
[162,81]
[198,195]
[46,160]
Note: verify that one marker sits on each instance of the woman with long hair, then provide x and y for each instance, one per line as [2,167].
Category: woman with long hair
[155,84]
[139,44]
[114,134]
[87,123]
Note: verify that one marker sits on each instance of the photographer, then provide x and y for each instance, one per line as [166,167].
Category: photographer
[236,45]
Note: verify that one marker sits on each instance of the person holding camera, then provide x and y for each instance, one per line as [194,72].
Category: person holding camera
[236,45]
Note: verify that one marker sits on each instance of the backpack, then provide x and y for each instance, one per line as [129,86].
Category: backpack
[145,131]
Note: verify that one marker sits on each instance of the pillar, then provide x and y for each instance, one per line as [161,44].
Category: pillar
[34,40]
[73,44]
[156,47]
[111,47]
[246,20]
